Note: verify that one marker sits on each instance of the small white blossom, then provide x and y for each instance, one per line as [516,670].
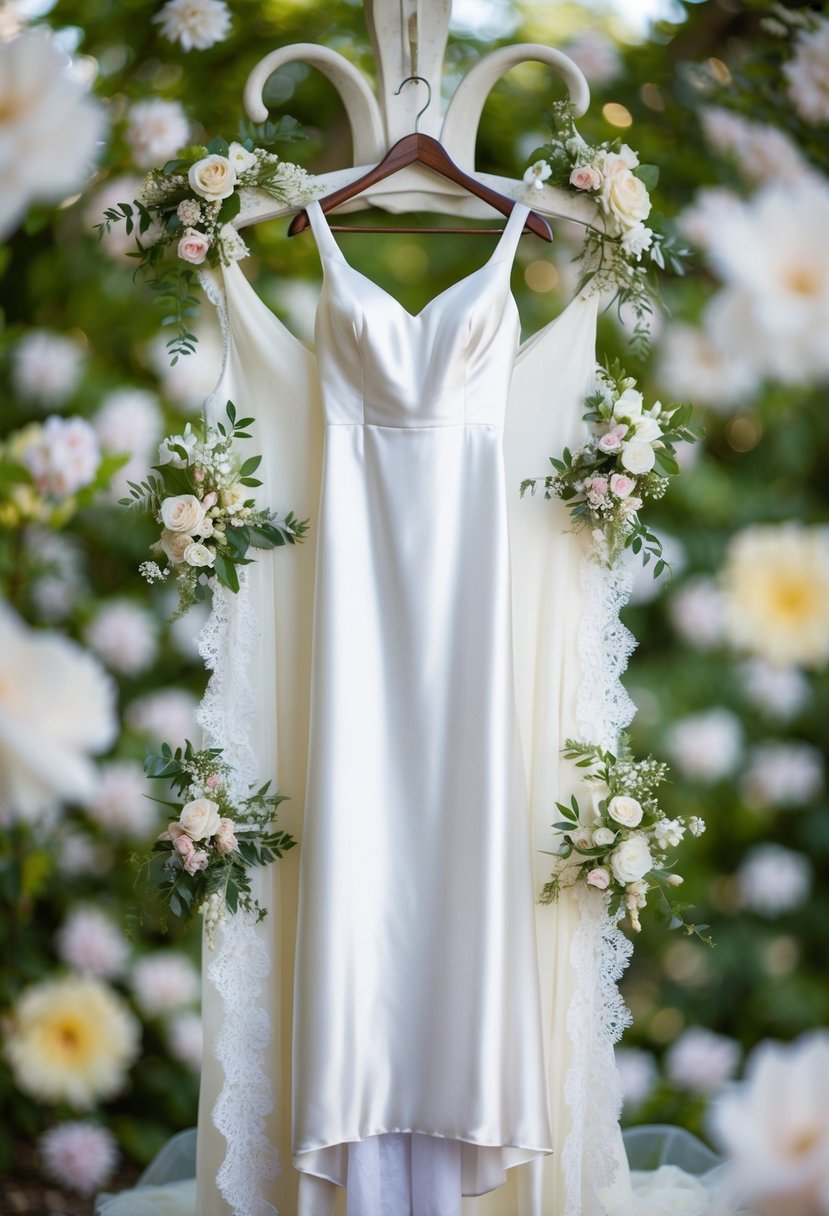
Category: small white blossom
[537,174]
[128,422]
[47,367]
[64,456]
[166,716]
[117,243]
[702,1061]
[90,942]
[189,212]
[120,804]
[778,692]
[164,982]
[195,24]
[706,746]
[124,636]
[156,130]
[79,1156]
[696,826]
[773,879]
[185,1037]
[783,774]
[808,73]
[697,611]
[596,55]
[638,1072]
[636,240]
[668,833]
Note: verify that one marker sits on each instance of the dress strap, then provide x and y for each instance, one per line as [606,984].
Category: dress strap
[511,234]
[323,235]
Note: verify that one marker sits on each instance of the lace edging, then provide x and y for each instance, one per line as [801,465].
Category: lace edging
[599,951]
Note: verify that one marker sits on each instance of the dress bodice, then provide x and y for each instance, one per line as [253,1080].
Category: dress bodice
[448,365]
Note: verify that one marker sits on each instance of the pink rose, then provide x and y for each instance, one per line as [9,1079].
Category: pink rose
[599,878]
[586,178]
[213,781]
[195,861]
[597,486]
[182,843]
[193,246]
[611,442]
[225,836]
[209,500]
[622,485]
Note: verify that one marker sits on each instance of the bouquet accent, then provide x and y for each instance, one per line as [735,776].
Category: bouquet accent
[190,203]
[629,458]
[610,173]
[209,521]
[202,861]
[624,848]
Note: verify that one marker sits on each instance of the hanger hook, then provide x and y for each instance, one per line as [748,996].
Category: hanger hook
[428,99]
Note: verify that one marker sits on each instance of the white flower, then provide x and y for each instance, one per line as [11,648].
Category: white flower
[79,854]
[776,584]
[631,859]
[196,24]
[174,545]
[626,811]
[808,73]
[90,942]
[191,379]
[783,774]
[782,285]
[189,212]
[623,196]
[774,1126]
[166,716]
[636,240]
[637,457]
[638,1073]
[647,429]
[156,130]
[668,833]
[57,707]
[778,692]
[79,1156]
[762,152]
[695,365]
[185,1038]
[697,612]
[233,247]
[182,513]
[200,819]
[628,405]
[164,982]
[64,458]
[240,158]
[167,454]
[128,421]
[212,178]
[121,804]
[712,205]
[193,246]
[706,746]
[50,127]
[603,837]
[702,1061]
[199,555]
[47,367]
[124,636]
[696,826]
[537,174]
[117,243]
[773,879]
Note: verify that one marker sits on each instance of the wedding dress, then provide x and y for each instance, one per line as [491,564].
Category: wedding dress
[421,1069]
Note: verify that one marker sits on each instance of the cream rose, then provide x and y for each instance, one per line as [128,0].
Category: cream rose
[586,178]
[173,545]
[603,837]
[626,811]
[240,158]
[621,485]
[234,497]
[195,861]
[623,195]
[200,819]
[214,177]
[628,405]
[582,838]
[599,878]
[638,457]
[182,513]
[199,555]
[193,246]
[226,840]
[631,860]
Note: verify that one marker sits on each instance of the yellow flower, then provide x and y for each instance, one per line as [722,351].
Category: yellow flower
[72,1040]
[776,584]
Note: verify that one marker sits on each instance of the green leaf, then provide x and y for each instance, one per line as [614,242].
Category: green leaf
[648,176]
[250,466]
[226,572]
[230,208]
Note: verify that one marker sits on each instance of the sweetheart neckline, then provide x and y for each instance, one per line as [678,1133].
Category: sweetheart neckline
[416,316]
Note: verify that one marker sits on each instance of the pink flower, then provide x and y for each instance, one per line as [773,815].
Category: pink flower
[196,860]
[225,836]
[182,843]
[213,781]
[599,878]
[586,178]
[209,500]
[193,246]
[597,486]
[79,1156]
[622,485]
[612,441]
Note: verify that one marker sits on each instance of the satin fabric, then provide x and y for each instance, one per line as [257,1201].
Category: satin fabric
[275,376]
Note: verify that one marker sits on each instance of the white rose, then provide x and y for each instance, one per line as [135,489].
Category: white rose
[199,555]
[637,240]
[599,878]
[234,497]
[638,457]
[182,513]
[631,860]
[623,195]
[627,154]
[603,837]
[240,158]
[200,819]
[174,544]
[624,810]
[214,177]
[193,246]
[166,455]
[647,429]
[629,405]
[582,839]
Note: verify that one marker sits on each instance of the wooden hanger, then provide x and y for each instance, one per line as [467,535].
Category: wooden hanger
[427,151]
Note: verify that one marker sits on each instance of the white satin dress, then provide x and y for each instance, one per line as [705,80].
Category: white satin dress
[417,1010]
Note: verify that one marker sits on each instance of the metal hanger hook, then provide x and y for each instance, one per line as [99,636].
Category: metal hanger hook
[428,99]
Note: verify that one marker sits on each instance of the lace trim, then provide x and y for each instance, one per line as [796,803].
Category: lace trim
[599,951]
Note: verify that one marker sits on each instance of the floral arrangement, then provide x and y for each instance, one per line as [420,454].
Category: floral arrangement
[623,848]
[611,174]
[202,861]
[190,203]
[209,520]
[629,458]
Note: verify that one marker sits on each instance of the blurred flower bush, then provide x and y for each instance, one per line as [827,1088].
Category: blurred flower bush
[730,678]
